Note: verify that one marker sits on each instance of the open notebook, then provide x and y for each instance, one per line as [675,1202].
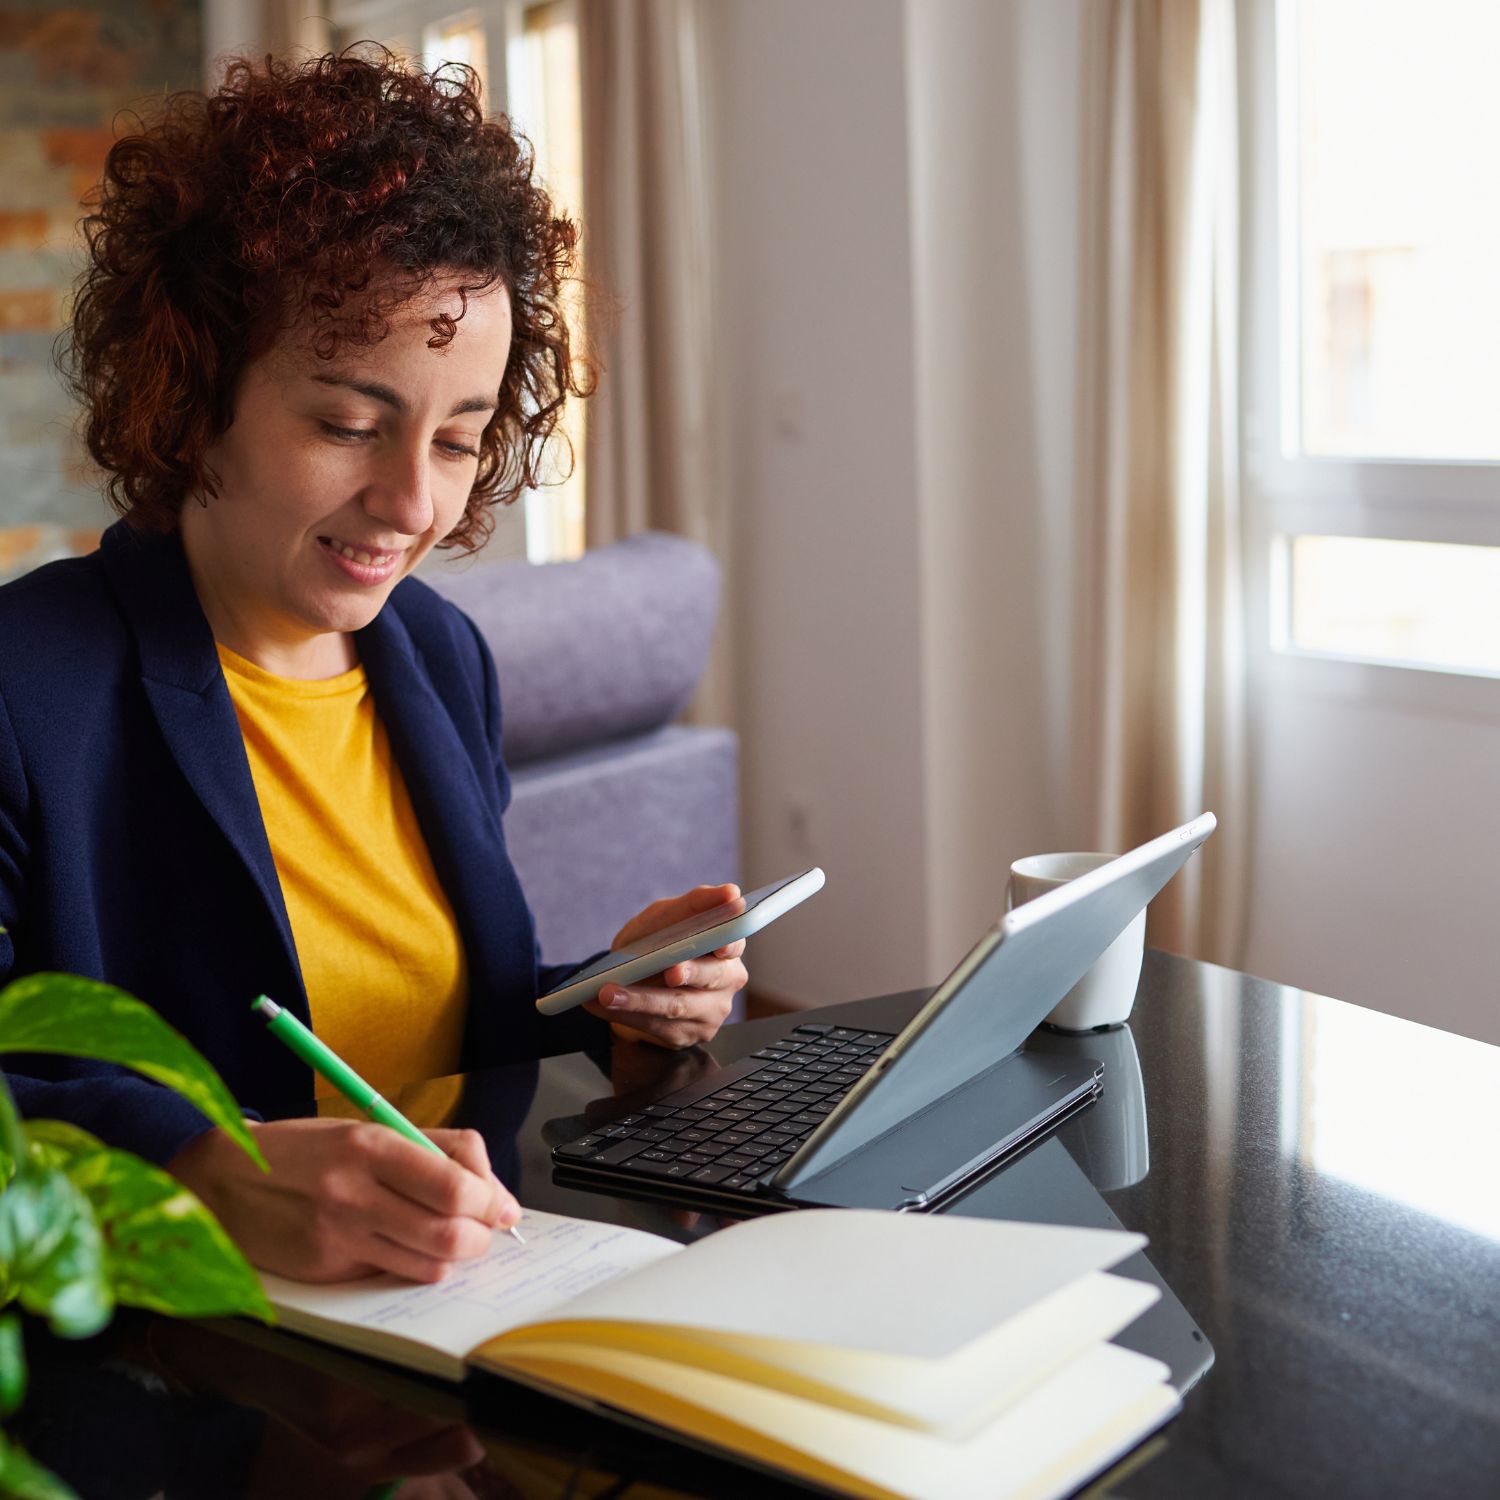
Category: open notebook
[881,1354]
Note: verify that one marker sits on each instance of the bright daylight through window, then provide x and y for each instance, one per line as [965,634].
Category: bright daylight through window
[526,55]
[1389,367]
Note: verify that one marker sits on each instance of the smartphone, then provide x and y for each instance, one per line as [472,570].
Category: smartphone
[690,938]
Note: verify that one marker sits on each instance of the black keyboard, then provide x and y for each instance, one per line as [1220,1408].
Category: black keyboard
[734,1129]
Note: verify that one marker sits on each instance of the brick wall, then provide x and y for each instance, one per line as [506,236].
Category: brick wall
[67,69]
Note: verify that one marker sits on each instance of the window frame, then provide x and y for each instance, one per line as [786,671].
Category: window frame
[1288,494]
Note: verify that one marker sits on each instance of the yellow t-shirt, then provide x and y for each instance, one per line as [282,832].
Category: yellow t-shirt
[381,956]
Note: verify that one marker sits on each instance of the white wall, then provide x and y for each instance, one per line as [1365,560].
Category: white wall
[814,282]
[901,460]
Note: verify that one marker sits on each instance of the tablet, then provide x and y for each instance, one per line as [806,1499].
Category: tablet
[690,938]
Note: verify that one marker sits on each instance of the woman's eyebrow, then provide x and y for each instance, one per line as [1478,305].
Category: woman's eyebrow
[383,393]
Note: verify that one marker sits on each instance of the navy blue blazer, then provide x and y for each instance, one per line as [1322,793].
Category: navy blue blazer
[132,848]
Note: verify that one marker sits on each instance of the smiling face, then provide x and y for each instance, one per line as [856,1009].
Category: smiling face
[338,477]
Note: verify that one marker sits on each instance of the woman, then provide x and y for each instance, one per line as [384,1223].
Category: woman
[240,749]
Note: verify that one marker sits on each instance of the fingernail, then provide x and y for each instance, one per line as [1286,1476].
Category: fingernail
[617,998]
[687,974]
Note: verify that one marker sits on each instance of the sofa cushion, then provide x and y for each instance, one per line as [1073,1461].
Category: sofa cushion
[608,646]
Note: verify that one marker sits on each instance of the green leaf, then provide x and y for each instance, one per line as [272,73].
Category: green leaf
[54,1143]
[83,1018]
[22,1478]
[164,1250]
[12,1364]
[12,1139]
[52,1253]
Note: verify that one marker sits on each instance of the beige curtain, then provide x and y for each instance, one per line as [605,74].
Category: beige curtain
[649,461]
[1163,717]
[645,249]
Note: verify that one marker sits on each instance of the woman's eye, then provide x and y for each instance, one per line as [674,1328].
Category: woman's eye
[354,433]
[457,450]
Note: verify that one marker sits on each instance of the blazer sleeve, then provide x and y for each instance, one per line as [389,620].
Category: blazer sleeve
[109,1101]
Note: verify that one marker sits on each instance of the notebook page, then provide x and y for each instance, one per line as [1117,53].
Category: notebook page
[510,1285]
[918,1285]
[1041,1448]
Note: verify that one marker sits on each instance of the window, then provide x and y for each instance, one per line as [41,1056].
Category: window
[526,56]
[1373,328]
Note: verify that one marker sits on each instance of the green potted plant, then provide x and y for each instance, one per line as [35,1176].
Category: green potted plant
[85,1228]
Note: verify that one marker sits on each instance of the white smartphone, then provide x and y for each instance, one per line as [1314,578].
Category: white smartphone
[690,938]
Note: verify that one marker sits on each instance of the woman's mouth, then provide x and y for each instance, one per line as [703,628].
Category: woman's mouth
[362,564]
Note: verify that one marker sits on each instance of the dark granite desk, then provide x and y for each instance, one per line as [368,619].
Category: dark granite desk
[1318,1183]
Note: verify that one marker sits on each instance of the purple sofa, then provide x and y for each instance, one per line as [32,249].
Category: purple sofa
[613,804]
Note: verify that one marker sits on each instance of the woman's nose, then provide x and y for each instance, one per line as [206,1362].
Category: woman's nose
[401,495]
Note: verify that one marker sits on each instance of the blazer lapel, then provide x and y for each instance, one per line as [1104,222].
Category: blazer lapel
[187,693]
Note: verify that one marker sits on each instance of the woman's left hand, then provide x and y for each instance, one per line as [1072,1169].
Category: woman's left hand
[687,1002]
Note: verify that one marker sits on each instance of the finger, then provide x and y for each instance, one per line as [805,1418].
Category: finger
[641,1003]
[437,1183]
[437,1237]
[468,1149]
[733,950]
[674,909]
[700,974]
[397,1260]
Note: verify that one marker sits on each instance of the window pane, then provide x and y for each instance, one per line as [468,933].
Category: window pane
[1428,603]
[458,39]
[1398,230]
[546,103]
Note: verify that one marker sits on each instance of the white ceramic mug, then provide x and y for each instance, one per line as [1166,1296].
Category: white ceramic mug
[1104,996]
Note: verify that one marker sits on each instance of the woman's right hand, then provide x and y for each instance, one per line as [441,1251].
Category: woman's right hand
[347,1198]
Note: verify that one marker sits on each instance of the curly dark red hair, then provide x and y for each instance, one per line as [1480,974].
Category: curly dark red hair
[281,198]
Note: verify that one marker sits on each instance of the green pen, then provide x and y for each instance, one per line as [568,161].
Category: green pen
[325,1062]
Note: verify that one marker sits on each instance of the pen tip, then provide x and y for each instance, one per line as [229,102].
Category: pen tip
[267,1007]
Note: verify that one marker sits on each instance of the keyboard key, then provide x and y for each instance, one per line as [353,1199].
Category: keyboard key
[773,1138]
[732,1138]
[651,1137]
[716,1173]
[674,1168]
[733,1114]
[711,1148]
[695,1158]
[618,1151]
[693,1133]
[740,1182]
[812,1029]
[737,1161]
[771,1054]
[584,1150]
[843,1034]
[655,1153]
[660,1110]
